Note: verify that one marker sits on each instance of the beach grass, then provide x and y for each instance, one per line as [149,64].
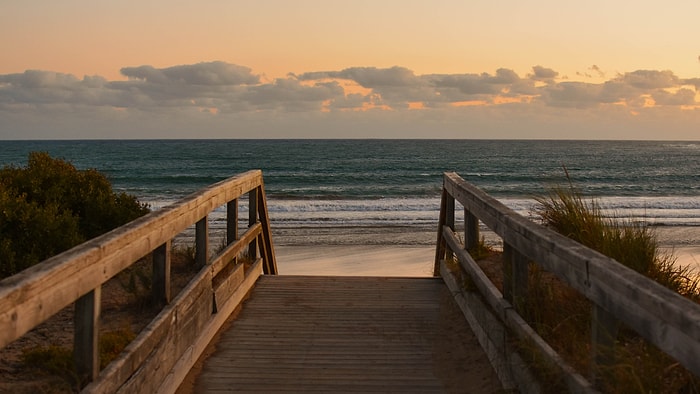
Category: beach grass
[563,316]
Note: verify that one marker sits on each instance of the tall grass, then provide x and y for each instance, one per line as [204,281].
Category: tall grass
[631,243]
[563,317]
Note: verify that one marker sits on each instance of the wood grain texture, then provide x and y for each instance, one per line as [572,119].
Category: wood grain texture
[663,317]
[348,334]
[34,295]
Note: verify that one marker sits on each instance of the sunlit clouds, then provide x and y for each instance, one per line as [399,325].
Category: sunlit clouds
[229,100]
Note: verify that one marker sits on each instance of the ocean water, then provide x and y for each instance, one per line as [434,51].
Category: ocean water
[342,188]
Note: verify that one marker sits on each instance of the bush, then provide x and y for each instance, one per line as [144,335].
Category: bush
[49,206]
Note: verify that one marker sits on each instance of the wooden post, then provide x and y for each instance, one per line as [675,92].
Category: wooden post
[201,242]
[161,275]
[449,221]
[85,342]
[440,244]
[520,281]
[471,231]
[270,263]
[231,221]
[252,219]
[515,277]
[507,257]
[603,336]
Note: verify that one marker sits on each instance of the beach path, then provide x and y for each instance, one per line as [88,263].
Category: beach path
[347,334]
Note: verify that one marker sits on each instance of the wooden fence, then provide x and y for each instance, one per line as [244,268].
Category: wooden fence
[166,349]
[617,293]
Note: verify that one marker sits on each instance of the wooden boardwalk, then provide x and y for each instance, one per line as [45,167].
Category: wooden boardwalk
[348,334]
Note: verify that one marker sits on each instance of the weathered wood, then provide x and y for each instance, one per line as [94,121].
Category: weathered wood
[32,296]
[515,277]
[341,334]
[230,252]
[440,242]
[231,221]
[160,289]
[663,317]
[604,330]
[471,230]
[185,362]
[87,327]
[269,259]
[201,242]
[252,218]
[512,320]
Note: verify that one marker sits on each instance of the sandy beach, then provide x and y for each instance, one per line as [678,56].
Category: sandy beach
[356,260]
[356,257]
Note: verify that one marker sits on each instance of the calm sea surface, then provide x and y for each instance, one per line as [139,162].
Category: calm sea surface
[396,183]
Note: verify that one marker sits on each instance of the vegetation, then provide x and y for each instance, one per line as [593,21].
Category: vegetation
[50,206]
[633,244]
[563,317]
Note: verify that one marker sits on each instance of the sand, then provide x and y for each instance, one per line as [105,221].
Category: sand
[400,260]
[356,260]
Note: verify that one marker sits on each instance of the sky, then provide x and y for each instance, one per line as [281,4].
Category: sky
[540,69]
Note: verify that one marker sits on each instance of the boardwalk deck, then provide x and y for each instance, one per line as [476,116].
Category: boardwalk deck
[348,334]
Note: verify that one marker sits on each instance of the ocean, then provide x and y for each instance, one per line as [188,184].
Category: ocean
[387,191]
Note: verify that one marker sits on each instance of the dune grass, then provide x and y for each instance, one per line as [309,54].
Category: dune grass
[563,317]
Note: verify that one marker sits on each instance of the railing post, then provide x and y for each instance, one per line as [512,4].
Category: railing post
[160,289]
[268,251]
[231,221]
[604,328]
[201,239]
[515,277]
[449,221]
[471,230]
[85,342]
[252,219]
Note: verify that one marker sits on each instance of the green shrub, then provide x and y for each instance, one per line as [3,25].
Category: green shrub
[50,206]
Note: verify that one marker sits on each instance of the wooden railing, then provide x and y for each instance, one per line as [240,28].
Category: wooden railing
[166,349]
[617,293]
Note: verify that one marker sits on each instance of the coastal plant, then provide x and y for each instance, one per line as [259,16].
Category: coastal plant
[562,316]
[53,360]
[137,281]
[49,206]
[113,342]
[631,243]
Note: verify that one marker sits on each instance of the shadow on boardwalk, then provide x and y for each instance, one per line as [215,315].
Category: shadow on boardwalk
[347,334]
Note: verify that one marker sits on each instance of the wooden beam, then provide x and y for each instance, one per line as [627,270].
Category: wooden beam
[87,327]
[160,289]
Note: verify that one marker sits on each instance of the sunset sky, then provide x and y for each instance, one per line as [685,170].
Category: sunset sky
[350,69]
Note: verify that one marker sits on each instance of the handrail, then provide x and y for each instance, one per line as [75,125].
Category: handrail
[664,318]
[34,295]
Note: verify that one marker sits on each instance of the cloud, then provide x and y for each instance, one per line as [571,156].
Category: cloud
[543,74]
[649,79]
[209,74]
[224,96]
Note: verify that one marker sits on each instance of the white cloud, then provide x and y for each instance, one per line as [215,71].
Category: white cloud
[225,98]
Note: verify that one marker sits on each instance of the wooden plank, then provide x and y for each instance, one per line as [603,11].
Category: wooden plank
[160,289]
[233,250]
[201,242]
[511,319]
[333,334]
[87,327]
[663,317]
[231,221]
[32,296]
[270,263]
[179,371]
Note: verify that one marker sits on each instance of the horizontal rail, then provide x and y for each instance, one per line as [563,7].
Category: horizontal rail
[658,314]
[32,296]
